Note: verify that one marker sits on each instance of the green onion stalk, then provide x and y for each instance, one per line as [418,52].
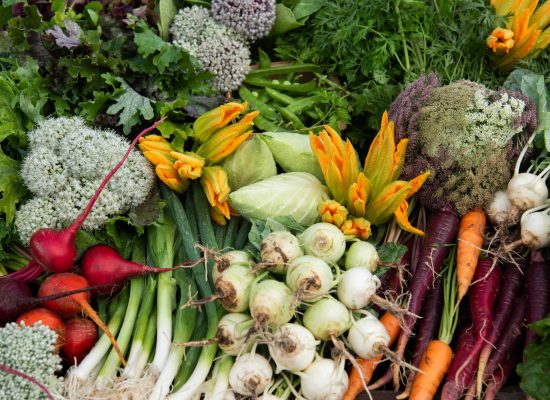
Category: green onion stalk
[184,326]
[144,331]
[161,237]
[220,378]
[137,286]
[208,238]
[95,357]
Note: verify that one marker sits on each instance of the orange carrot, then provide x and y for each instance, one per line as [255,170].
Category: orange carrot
[434,365]
[470,240]
[355,385]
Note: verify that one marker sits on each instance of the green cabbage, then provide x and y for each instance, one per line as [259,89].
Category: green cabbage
[250,163]
[296,194]
[292,151]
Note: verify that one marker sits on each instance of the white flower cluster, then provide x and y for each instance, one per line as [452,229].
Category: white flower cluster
[218,48]
[251,18]
[65,165]
[223,57]
[493,120]
[29,350]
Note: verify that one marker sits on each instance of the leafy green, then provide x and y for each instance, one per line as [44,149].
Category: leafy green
[391,252]
[376,47]
[11,187]
[534,370]
[167,9]
[132,104]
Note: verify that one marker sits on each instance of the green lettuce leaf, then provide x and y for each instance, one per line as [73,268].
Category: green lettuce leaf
[11,186]
[534,370]
[131,105]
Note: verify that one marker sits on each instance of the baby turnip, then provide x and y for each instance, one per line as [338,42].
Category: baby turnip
[232,257]
[324,379]
[368,338]
[292,348]
[357,288]
[325,241]
[232,333]
[535,228]
[278,249]
[233,288]
[250,375]
[527,190]
[501,210]
[327,319]
[362,254]
[309,277]
[271,303]
[55,249]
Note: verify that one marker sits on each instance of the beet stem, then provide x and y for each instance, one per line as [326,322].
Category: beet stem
[21,374]
[26,274]
[40,300]
[75,226]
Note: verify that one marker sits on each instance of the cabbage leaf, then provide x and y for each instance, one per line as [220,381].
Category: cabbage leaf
[295,194]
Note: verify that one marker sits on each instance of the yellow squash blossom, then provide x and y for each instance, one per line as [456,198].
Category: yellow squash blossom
[188,164]
[225,141]
[158,151]
[526,32]
[358,227]
[215,184]
[215,119]
[333,212]
[371,196]
[338,162]
[170,177]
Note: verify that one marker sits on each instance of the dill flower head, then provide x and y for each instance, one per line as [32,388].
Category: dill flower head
[63,175]
[228,59]
[29,350]
[464,134]
[251,18]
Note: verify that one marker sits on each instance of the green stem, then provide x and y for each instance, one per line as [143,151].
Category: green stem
[449,317]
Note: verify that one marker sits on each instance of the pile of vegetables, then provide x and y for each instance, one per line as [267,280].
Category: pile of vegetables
[334,199]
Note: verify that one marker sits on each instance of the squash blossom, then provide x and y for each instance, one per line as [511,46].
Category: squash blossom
[215,184]
[158,151]
[215,119]
[225,141]
[333,212]
[358,227]
[373,195]
[526,32]
[188,164]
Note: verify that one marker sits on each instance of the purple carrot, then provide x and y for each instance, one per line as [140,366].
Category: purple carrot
[510,337]
[428,327]
[538,291]
[482,300]
[458,379]
[501,375]
[510,288]
[441,232]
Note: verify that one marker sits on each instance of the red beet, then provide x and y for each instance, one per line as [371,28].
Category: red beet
[80,337]
[102,265]
[70,306]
